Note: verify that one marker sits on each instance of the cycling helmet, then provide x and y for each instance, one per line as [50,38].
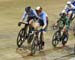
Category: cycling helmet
[63,13]
[38,9]
[69,2]
[28,8]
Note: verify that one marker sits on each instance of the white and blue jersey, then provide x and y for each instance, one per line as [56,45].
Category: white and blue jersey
[73,3]
[30,14]
[70,8]
[44,18]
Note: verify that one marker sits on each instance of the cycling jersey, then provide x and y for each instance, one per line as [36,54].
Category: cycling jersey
[30,14]
[73,3]
[44,20]
[70,8]
[64,21]
[43,17]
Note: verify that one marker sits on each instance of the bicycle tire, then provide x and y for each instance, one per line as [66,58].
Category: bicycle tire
[40,41]
[64,39]
[33,48]
[55,39]
[30,38]
[20,38]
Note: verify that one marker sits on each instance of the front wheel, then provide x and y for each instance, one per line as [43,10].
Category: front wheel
[34,45]
[55,38]
[21,37]
[33,48]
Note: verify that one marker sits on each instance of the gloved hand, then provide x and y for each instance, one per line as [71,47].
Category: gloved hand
[19,24]
[41,29]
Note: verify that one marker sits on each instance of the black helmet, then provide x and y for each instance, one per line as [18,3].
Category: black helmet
[27,9]
[62,14]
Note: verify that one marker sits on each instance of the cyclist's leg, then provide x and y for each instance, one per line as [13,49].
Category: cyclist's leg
[34,24]
[43,32]
[30,21]
[61,30]
[65,32]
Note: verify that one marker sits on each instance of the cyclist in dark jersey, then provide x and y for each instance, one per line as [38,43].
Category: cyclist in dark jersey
[63,23]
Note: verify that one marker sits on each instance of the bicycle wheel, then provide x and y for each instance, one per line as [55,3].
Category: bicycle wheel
[64,39]
[33,48]
[30,38]
[55,38]
[40,42]
[20,38]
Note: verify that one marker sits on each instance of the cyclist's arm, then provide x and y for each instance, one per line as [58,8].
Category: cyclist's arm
[58,20]
[45,21]
[72,6]
[23,17]
[35,14]
[66,8]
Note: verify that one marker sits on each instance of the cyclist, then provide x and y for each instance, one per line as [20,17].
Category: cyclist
[43,21]
[70,9]
[63,23]
[29,14]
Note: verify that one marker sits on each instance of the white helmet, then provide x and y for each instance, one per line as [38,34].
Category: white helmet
[69,2]
[38,8]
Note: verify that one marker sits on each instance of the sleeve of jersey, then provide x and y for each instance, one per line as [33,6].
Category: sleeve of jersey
[73,7]
[36,14]
[24,16]
[44,19]
[66,8]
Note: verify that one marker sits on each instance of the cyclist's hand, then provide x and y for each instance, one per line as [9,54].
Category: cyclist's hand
[41,29]
[19,24]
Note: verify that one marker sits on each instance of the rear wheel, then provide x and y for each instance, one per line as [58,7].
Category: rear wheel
[64,38]
[55,38]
